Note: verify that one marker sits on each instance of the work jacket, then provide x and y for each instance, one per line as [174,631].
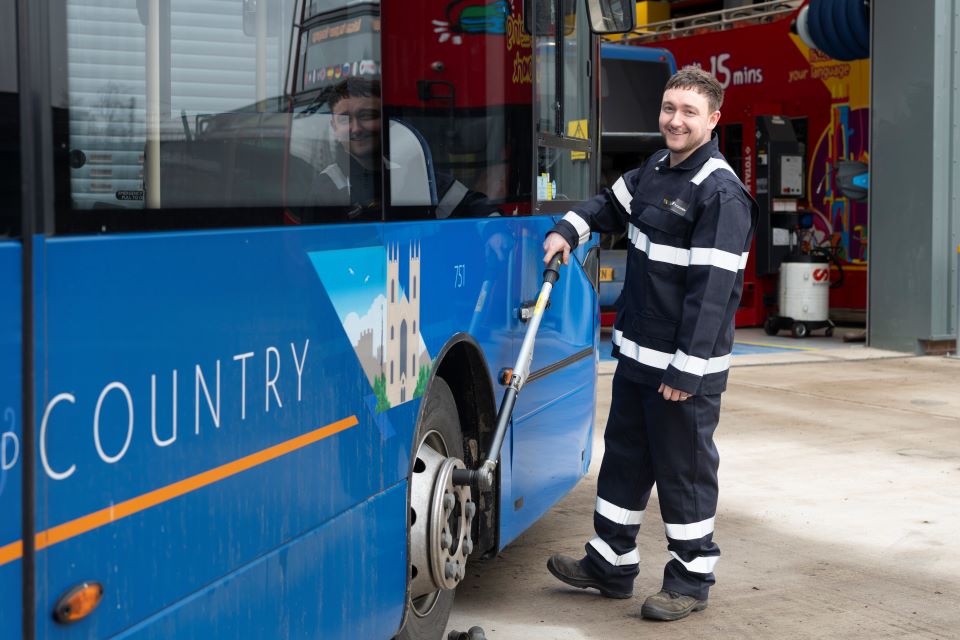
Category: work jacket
[689,230]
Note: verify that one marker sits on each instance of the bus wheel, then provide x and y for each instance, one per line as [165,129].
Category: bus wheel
[441,515]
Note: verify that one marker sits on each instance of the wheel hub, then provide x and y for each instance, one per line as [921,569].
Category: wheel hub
[441,518]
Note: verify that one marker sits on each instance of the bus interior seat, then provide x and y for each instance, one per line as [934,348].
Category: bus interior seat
[410,167]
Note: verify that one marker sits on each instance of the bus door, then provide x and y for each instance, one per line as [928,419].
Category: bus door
[11,431]
[551,428]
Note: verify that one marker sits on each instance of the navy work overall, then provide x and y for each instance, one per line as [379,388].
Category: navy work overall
[690,228]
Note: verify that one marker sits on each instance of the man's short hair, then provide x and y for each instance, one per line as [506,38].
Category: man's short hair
[703,82]
[353,87]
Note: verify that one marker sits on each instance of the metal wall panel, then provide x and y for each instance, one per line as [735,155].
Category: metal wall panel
[915,173]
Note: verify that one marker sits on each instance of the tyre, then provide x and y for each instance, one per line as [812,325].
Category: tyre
[438,440]
[770,326]
[799,330]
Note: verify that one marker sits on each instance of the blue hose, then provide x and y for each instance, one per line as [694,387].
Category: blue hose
[839,28]
[857,20]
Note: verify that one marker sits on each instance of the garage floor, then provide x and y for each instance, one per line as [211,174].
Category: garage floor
[839,511]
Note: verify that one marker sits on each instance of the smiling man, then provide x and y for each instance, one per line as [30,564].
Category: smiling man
[690,221]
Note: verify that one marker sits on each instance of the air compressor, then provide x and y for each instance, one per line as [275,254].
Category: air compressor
[804,296]
[804,285]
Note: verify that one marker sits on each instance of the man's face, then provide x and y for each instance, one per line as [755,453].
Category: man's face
[686,120]
[356,125]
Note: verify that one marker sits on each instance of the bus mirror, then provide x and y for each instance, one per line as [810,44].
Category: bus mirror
[612,16]
[411,177]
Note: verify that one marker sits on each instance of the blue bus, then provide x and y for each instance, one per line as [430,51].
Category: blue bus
[260,265]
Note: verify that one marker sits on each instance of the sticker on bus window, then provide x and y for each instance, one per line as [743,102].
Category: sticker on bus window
[577,129]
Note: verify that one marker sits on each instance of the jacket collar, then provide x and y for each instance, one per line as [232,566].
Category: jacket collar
[696,159]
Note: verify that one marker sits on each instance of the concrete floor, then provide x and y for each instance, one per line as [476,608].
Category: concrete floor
[839,512]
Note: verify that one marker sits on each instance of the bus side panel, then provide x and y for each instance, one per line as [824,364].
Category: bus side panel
[468,281]
[553,419]
[277,429]
[11,440]
[546,457]
[288,594]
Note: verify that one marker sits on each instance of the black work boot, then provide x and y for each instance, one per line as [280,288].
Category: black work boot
[670,605]
[570,571]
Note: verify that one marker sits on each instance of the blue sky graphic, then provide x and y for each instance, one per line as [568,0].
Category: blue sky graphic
[353,278]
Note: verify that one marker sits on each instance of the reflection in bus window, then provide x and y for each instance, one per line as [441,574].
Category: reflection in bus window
[9,124]
[353,179]
[208,131]
[350,187]
[466,89]
[240,115]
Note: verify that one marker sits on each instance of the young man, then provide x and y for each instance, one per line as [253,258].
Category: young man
[690,221]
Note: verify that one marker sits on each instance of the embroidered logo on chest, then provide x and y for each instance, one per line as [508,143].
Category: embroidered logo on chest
[677,206]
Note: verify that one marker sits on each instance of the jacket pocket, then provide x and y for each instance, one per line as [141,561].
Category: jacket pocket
[665,221]
[666,244]
[657,333]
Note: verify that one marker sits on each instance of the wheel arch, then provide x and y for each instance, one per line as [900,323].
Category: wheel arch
[463,366]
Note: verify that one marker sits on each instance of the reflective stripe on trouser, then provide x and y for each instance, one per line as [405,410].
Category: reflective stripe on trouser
[651,440]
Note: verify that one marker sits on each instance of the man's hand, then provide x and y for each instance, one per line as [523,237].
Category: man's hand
[669,393]
[555,244]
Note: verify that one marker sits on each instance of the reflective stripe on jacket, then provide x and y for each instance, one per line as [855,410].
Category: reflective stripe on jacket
[689,229]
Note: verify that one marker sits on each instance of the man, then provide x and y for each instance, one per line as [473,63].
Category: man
[356,123]
[690,221]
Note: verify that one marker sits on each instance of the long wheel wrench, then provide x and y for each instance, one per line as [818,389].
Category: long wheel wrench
[483,476]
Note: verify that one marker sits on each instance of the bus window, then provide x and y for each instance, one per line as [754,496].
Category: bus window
[9,124]
[200,117]
[473,117]
[564,110]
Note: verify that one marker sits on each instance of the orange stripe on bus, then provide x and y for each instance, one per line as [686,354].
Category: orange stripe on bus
[89,522]
[11,552]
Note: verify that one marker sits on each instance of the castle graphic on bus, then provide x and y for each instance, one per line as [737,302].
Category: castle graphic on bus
[380,315]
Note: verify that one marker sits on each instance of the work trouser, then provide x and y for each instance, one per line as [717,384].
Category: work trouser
[651,440]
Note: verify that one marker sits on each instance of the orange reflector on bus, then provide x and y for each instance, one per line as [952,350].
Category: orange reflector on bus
[506,375]
[78,602]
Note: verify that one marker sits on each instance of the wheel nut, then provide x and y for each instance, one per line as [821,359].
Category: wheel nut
[470,510]
[446,540]
[448,501]
[467,546]
[448,570]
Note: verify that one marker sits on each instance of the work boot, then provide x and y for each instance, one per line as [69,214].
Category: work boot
[572,572]
[670,605]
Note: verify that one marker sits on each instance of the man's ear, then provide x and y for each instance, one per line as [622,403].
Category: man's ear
[713,119]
